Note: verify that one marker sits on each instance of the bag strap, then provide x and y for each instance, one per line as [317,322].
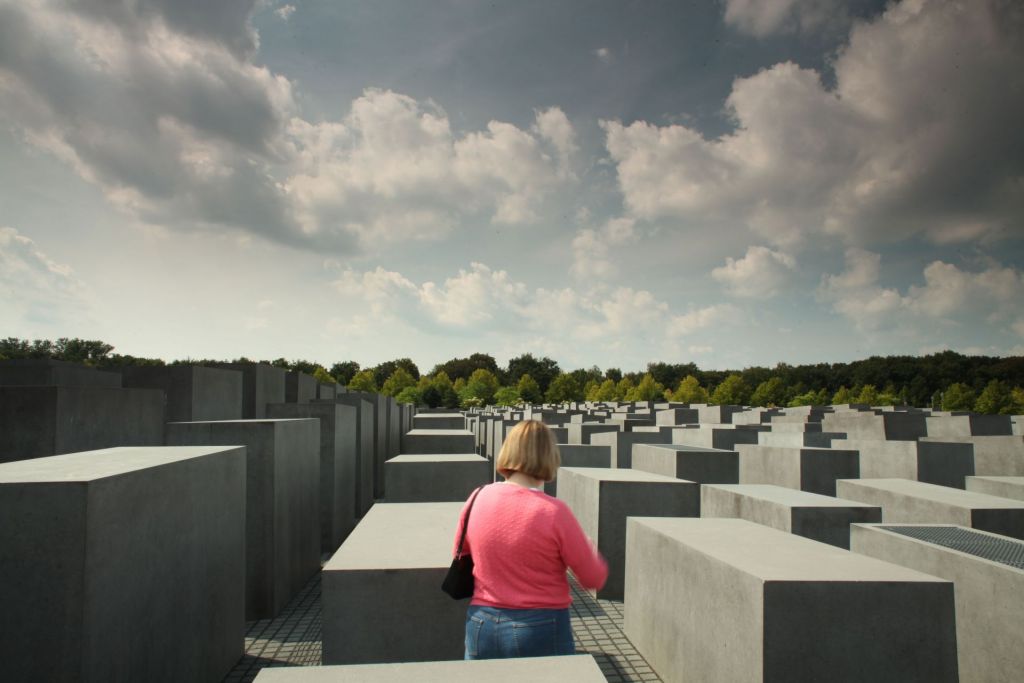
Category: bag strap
[465,522]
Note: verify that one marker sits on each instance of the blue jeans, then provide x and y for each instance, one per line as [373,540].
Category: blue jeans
[497,633]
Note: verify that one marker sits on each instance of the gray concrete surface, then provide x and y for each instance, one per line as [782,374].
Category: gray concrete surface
[282,509]
[193,392]
[716,414]
[42,372]
[38,421]
[722,437]
[261,384]
[437,441]
[798,439]
[915,502]
[364,449]
[870,425]
[692,463]
[338,463]
[1004,487]
[603,498]
[439,421]
[580,433]
[819,518]
[382,598]
[434,478]
[579,455]
[998,456]
[300,387]
[806,469]
[621,444]
[969,425]
[125,564]
[989,599]
[933,462]
[576,668]
[730,600]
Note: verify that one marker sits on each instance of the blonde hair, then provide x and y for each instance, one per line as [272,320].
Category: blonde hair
[529,448]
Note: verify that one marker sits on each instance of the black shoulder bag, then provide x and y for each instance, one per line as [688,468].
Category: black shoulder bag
[458,583]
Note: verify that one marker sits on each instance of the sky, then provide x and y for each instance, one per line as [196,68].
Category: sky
[610,183]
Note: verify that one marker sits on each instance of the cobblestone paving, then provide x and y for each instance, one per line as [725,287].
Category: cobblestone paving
[295,638]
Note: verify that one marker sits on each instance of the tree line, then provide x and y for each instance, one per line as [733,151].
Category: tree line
[946,380]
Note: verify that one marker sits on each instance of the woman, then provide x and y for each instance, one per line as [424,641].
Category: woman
[522,540]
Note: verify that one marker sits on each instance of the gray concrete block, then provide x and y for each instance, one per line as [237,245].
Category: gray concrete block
[969,425]
[395,430]
[439,421]
[998,456]
[933,462]
[1003,487]
[806,469]
[989,596]
[915,502]
[798,439]
[577,668]
[364,450]
[819,518]
[282,511]
[261,384]
[193,392]
[126,564]
[435,478]
[326,391]
[692,463]
[38,421]
[578,455]
[716,414]
[724,438]
[603,498]
[876,426]
[621,444]
[382,598]
[339,477]
[730,600]
[754,416]
[41,372]
[677,416]
[580,433]
[437,441]
[300,387]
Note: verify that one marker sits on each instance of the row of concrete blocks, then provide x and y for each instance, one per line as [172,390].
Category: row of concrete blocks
[710,599]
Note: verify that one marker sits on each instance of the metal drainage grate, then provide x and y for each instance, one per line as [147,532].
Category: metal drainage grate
[1007,551]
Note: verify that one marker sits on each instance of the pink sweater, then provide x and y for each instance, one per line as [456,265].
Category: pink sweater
[521,541]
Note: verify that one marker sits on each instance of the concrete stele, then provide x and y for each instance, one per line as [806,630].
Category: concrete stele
[382,598]
[933,462]
[434,478]
[1004,487]
[437,441]
[762,605]
[692,463]
[903,500]
[806,469]
[576,668]
[819,518]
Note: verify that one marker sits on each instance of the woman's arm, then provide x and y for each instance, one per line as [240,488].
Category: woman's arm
[579,552]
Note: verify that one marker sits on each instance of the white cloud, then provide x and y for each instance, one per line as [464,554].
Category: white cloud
[604,54]
[762,18]
[285,12]
[992,297]
[688,323]
[595,252]
[40,295]
[892,152]
[758,275]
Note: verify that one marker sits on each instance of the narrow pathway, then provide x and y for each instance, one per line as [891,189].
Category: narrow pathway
[295,638]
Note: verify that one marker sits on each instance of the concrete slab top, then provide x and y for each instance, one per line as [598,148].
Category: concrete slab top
[100,464]
[400,536]
[439,432]
[577,668]
[938,494]
[773,555]
[1012,481]
[788,497]
[260,420]
[432,457]
[614,474]
[439,416]
[680,448]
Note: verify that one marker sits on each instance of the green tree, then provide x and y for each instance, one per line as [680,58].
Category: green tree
[344,371]
[590,390]
[647,390]
[363,381]
[399,380]
[382,372]
[842,396]
[506,396]
[542,370]
[995,399]
[464,367]
[690,391]
[810,398]
[868,395]
[529,389]
[622,389]
[614,374]
[732,391]
[1017,401]
[564,388]
[431,396]
[321,375]
[411,395]
[605,392]
[769,393]
[480,388]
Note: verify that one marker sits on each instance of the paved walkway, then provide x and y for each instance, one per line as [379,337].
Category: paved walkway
[295,638]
